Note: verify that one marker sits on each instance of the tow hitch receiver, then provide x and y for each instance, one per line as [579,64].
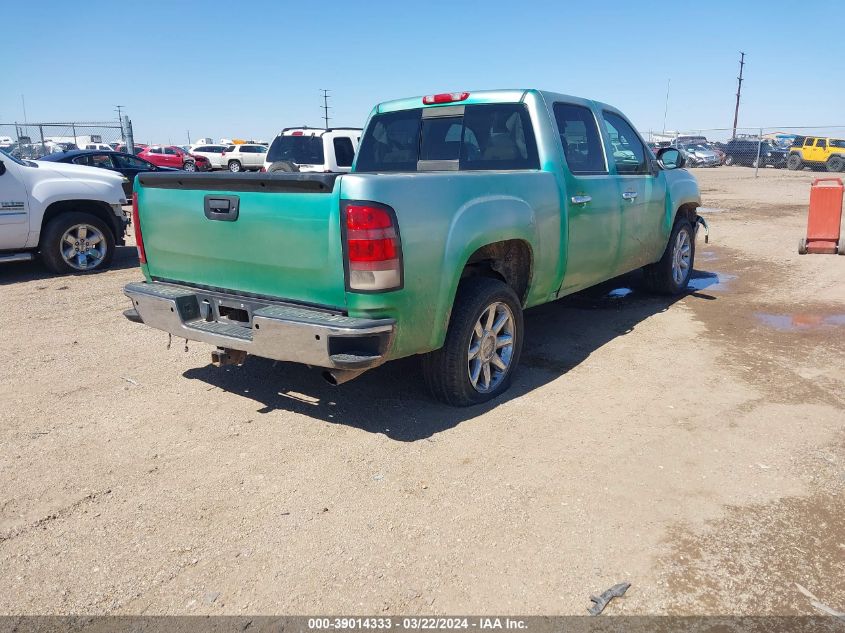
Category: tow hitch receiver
[223,356]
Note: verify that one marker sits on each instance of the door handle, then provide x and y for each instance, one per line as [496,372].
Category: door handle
[224,208]
[630,195]
[581,199]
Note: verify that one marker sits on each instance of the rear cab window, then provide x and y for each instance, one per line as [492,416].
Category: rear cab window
[466,138]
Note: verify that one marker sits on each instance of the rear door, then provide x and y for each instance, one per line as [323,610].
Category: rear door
[592,199]
[14,205]
[642,195]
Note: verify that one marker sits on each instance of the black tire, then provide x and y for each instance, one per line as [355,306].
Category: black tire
[802,246]
[235,166]
[659,277]
[51,242]
[446,370]
[756,162]
[283,166]
[794,162]
[189,165]
[729,160]
[835,163]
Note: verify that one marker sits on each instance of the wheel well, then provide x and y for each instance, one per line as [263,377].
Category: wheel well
[687,211]
[96,208]
[509,261]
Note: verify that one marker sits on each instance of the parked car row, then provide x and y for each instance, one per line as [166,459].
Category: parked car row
[747,152]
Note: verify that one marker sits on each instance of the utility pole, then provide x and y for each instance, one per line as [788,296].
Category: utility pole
[325,106]
[23,103]
[666,109]
[738,91]
[189,137]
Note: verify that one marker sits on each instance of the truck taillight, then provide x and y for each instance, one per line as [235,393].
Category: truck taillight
[373,247]
[136,224]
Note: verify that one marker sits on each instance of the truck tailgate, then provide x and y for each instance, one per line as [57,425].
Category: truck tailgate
[269,234]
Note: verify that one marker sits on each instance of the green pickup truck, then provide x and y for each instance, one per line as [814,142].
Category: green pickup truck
[461,210]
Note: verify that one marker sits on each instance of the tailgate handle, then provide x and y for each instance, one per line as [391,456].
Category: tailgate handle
[224,208]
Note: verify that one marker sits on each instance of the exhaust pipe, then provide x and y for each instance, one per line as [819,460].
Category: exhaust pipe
[337,377]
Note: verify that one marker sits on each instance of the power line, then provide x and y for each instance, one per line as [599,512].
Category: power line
[325,107]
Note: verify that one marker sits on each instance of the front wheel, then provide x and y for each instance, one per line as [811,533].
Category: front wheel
[671,274]
[729,160]
[190,165]
[482,344]
[76,243]
[234,166]
[794,162]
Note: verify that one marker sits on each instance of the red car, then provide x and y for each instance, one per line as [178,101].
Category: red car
[169,156]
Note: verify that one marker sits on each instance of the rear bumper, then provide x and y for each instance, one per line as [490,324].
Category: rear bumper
[266,328]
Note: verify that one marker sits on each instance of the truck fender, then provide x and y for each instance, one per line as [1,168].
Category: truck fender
[477,223]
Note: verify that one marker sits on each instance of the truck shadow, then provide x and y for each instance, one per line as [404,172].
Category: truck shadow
[34,270]
[393,400]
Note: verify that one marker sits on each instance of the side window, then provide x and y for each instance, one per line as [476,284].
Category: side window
[130,162]
[819,142]
[809,142]
[101,160]
[343,151]
[170,151]
[581,140]
[82,160]
[628,152]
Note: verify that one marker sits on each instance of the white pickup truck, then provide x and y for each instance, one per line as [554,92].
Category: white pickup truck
[70,215]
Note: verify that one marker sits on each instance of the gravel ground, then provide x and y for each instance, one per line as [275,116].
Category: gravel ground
[694,448]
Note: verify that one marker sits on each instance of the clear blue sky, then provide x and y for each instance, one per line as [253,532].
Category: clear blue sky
[249,68]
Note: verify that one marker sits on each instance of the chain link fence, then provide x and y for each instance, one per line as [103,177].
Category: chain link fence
[34,140]
[817,148]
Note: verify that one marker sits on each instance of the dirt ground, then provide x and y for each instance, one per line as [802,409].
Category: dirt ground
[693,448]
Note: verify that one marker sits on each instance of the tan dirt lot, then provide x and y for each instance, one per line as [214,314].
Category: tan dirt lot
[694,448]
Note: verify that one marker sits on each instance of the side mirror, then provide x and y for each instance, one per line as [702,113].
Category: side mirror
[670,158]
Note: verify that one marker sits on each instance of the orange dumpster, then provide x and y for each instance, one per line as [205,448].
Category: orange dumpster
[824,218]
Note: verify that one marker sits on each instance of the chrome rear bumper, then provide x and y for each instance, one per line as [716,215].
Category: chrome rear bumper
[266,328]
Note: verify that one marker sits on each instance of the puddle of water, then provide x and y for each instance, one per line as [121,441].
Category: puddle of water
[798,322]
[619,293]
[709,281]
[710,210]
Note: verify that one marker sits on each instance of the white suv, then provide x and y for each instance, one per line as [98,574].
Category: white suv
[214,154]
[315,149]
[244,157]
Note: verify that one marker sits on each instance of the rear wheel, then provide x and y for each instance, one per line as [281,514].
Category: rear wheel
[835,163]
[76,242]
[482,344]
[729,160]
[234,166]
[794,162]
[671,274]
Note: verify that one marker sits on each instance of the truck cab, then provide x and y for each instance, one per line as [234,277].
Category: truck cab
[71,216]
